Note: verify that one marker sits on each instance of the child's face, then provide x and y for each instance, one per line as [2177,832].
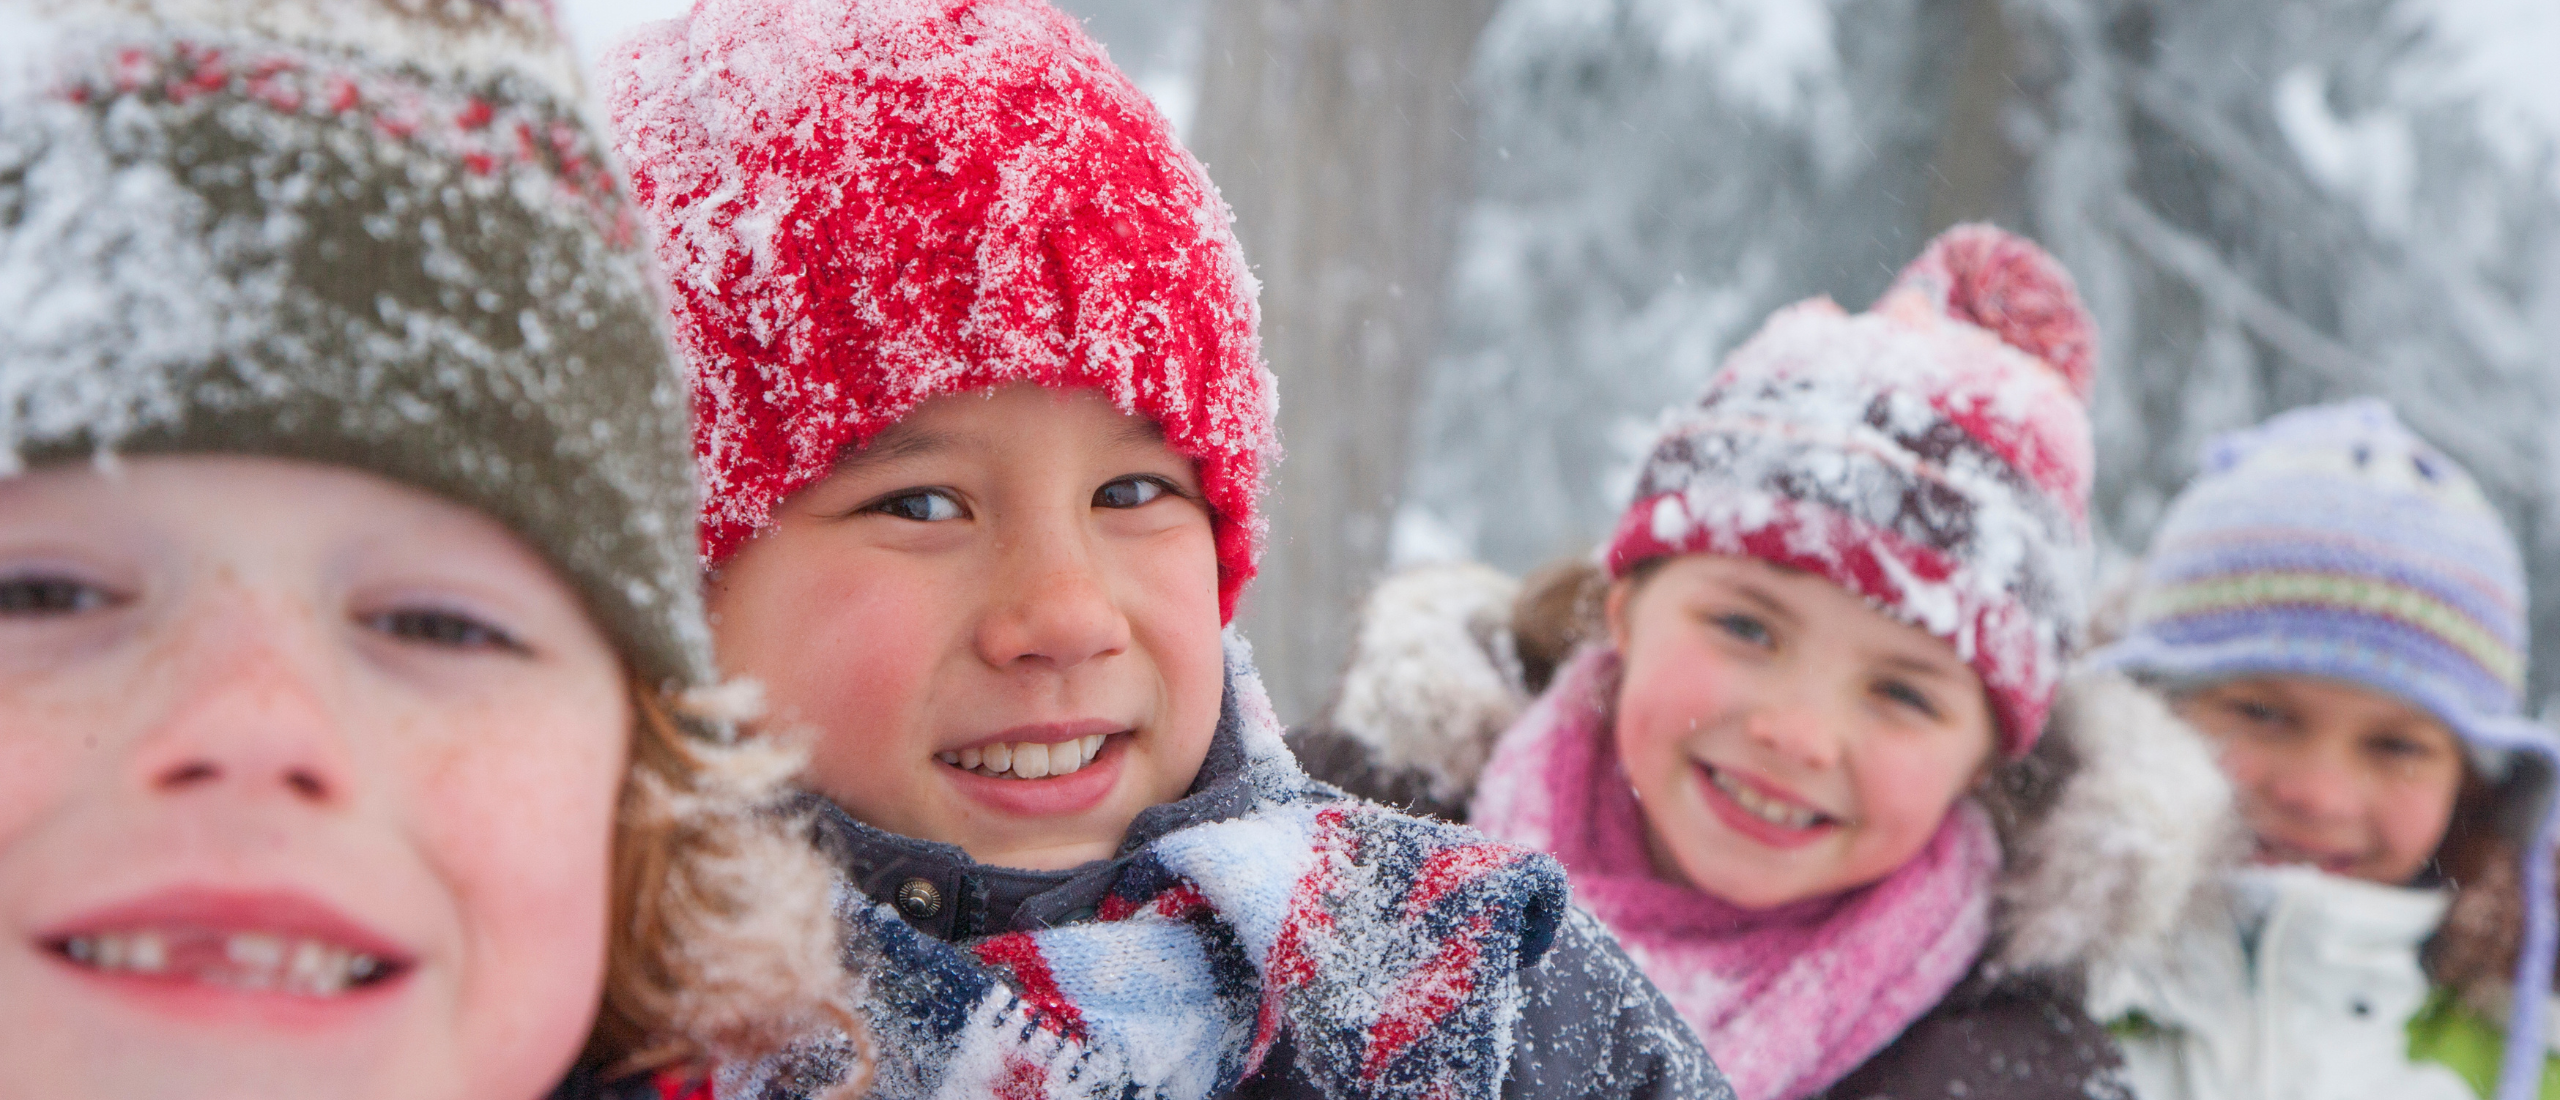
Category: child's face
[307,782]
[1787,740]
[2345,778]
[1001,617]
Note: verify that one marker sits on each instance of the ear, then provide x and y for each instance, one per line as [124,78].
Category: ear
[1613,612]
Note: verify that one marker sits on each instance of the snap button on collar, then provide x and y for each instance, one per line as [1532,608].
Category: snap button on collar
[918,899]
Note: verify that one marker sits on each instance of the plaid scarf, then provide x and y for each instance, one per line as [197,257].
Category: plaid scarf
[1386,949]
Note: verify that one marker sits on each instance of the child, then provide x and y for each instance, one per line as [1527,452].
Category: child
[984,425]
[2338,608]
[347,608]
[1803,767]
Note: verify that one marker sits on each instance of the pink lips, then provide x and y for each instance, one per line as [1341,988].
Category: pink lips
[1045,733]
[2279,853]
[1752,825]
[206,951]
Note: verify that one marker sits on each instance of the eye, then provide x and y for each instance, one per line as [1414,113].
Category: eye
[1902,693]
[1131,492]
[2399,747]
[2256,713]
[444,630]
[50,595]
[919,505]
[1746,629]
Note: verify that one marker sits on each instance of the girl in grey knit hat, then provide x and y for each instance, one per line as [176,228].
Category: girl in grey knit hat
[353,726]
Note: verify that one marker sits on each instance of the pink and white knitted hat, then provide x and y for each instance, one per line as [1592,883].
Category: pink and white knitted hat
[1931,455]
[862,206]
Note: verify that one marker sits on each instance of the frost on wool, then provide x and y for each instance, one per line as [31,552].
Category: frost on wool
[1942,476]
[279,217]
[864,206]
[1434,676]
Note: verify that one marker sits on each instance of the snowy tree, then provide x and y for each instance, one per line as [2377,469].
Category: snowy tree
[2268,203]
[2278,203]
[1655,177]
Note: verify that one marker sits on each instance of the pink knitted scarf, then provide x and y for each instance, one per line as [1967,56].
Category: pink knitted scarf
[1788,1000]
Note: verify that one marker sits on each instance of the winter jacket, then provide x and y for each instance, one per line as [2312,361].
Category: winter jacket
[2457,1036]
[1577,1020]
[585,1084]
[2295,984]
[2106,831]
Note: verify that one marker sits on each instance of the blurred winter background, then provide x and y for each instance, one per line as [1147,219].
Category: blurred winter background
[1496,237]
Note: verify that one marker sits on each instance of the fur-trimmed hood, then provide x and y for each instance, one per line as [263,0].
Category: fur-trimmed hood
[2111,829]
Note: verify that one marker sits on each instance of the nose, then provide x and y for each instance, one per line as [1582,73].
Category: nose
[1052,605]
[248,716]
[2312,787]
[1794,731]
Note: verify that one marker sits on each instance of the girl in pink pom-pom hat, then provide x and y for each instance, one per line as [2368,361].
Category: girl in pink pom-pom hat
[1802,738]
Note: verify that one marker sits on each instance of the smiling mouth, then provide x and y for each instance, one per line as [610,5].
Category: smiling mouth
[1784,815]
[1027,759]
[2278,853]
[256,962]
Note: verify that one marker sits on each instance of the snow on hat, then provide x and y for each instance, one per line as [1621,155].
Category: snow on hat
[861,206]
[2332,542]
[376,235]
[1931,455]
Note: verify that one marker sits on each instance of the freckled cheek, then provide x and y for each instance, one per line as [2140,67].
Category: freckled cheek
[516,822]
[41,758]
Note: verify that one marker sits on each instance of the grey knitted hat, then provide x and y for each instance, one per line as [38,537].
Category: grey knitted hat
[372,233]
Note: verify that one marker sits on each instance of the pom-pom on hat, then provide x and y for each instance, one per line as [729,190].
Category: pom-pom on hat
[861,206]
[2332,542]
[1931,455]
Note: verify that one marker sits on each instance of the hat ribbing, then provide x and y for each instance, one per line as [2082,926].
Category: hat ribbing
[864,206]
[1931,455]
[374,235]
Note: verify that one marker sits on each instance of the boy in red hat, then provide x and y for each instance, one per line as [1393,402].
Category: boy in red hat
[983,423]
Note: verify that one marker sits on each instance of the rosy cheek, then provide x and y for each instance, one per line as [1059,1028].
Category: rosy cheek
[1905,792]
[845,643]
[522,842]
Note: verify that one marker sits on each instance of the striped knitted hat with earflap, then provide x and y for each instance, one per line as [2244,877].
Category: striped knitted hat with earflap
[2332,542]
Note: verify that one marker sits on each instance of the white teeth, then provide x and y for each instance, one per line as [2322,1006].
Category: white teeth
[1028,759]
[1031,761]
[148,954]
[1766,809]
[246,960]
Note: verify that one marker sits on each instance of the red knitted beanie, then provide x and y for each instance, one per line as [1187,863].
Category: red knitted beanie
[860,206]
[1931,455]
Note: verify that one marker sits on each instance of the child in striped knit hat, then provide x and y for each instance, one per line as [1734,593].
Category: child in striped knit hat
[1813,765]
[984,423]
[2338,607]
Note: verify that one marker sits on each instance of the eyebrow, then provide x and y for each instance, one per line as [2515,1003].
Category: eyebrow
[895,445]
[1760,598]
[1916,666]
[1137,431]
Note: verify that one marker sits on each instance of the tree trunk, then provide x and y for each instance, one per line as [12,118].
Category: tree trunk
[1339,132]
